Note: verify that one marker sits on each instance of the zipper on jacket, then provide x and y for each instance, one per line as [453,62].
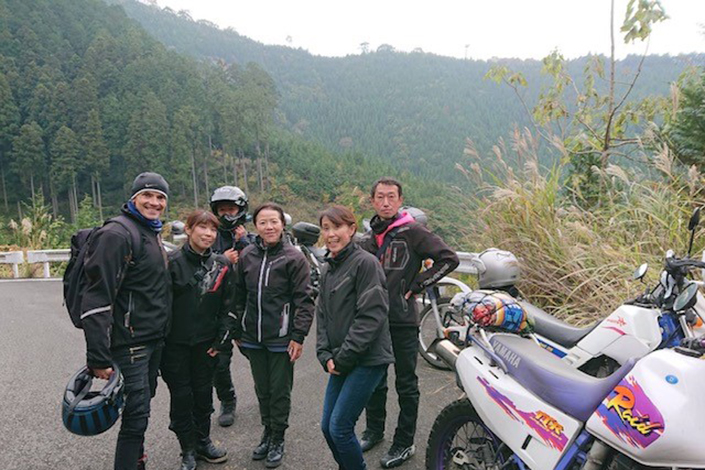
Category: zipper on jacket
[128,314]
[259,298]
[266,277]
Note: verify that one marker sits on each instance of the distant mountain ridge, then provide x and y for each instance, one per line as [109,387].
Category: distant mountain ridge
[414,109]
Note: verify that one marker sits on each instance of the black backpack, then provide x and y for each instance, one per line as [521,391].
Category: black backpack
[75,282]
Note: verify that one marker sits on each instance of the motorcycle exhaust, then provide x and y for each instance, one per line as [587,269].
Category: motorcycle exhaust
[446,350]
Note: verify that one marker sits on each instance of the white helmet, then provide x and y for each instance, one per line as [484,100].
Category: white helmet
[498,268]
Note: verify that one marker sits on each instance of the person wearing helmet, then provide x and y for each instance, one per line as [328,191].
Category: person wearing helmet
[127,307]
[401,244]
[229,204]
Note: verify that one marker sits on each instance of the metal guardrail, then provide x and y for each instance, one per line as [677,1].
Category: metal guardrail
[46,257]
[15,258]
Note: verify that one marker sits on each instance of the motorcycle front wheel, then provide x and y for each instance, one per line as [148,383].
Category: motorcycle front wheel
[459,440]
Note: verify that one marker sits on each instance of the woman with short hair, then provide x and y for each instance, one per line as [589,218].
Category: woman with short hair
[354,344]
[274,309]
[200,327]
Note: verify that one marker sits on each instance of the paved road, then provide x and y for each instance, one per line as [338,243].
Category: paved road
[40,349]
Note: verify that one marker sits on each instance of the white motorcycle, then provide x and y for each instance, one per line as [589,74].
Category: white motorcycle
[634,329]
[527,409]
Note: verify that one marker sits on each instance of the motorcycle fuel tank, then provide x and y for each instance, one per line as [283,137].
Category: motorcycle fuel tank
[656,414]
[538,432]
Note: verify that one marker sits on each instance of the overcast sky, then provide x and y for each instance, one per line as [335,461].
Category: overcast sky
[489,28]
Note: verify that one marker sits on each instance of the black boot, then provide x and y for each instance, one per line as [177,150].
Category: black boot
[206,450]
[276,451]
[262,448]
[227,413]
[188,460]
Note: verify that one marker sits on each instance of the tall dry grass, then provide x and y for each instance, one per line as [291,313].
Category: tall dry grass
[577,261]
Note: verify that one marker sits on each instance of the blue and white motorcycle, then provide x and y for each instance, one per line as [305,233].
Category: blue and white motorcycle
[524,408]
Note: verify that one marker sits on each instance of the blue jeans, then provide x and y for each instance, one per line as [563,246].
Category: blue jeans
[346,397]
[139,365]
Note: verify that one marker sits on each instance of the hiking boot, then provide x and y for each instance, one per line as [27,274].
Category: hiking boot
[276,452]
[262,448]
[206,450]
[227,414]
[188,460]
[369,439]
[397,455]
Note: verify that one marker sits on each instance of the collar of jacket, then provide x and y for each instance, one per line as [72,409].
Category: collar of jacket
[269,249]
[342,255]
[380,225]
[192,255]
[154,225]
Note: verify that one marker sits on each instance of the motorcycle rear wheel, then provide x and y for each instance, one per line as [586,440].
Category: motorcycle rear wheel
[459,440]
[428,330]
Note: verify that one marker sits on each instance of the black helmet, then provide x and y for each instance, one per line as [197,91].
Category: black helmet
[418,215]
[88,413]
[230,194]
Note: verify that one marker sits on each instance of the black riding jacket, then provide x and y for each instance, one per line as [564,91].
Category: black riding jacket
[134,311]
[226,240]
[273,302]
[203,287]
[410,246]
[352,314]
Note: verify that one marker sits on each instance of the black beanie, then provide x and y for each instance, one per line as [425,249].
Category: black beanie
[149,182]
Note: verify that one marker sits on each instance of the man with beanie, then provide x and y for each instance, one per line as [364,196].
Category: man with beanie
[126,307]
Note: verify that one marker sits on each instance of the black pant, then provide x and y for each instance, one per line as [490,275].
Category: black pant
[188,372]
[273,374]
[405,344]
[139,366]
[222,379]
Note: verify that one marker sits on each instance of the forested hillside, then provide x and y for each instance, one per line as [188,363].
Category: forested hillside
[88,100]
[414,109]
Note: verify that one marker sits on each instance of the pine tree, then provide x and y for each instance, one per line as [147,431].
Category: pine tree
[29,152]
[65,151]
[96,156]
[9,120]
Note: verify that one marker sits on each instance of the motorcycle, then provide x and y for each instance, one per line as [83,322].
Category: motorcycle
[634,329]
[524,408]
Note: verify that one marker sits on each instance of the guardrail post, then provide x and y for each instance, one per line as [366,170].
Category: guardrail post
[46,269]
[15,270]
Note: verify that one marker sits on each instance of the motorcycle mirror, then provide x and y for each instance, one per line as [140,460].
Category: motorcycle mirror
[287,219]
[692,224]
[687,298]
[694,219]
[640,272]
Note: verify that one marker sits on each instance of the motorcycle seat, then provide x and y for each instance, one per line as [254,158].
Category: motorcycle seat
[552,380]
[556,330]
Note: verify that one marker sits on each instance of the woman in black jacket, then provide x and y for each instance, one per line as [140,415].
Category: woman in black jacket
[354,344]
[201,323]
[274,310]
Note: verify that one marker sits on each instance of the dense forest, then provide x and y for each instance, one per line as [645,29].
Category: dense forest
[414,109]
[88,99]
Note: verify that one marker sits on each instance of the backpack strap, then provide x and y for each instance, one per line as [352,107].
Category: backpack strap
[135,236]
[388,237]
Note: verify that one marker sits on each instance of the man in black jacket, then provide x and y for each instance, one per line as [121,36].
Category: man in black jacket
[126,308]
[229,204]
[401,245]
